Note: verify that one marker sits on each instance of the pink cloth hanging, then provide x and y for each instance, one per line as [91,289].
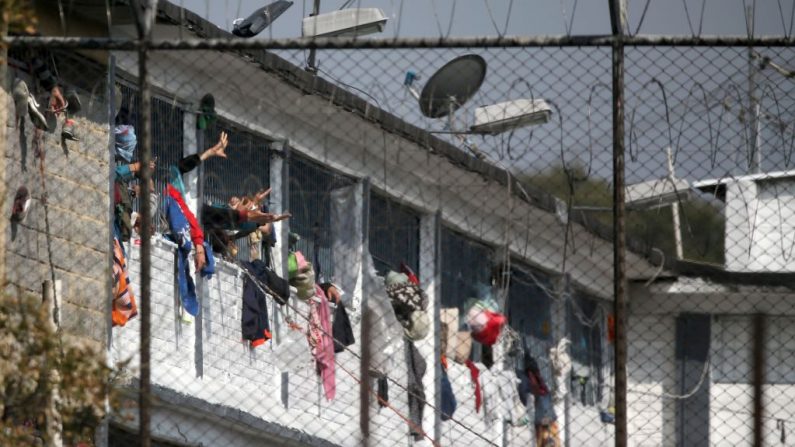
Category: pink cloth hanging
[322,342]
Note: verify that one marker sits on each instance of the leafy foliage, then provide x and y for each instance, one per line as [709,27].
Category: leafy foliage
[702,222]
[44,379]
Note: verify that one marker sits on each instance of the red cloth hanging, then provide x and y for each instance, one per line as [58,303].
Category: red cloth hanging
[475,372]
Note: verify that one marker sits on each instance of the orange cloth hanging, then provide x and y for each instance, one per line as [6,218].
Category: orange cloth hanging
[124,306]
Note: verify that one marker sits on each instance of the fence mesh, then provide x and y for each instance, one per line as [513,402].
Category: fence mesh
[401,246]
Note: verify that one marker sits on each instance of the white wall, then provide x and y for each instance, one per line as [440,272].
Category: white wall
[413,175]
[240,378]
[759,225]
[247,380]
[653,371]
[409,172]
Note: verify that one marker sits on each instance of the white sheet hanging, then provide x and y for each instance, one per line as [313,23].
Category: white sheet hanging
[346,241]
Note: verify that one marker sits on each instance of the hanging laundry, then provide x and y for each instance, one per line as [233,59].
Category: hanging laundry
[484,322]
[302,275]
[189,229]
[382,391]
[341,329]
[405,296]
[536,382]
[181,224]
[611,328]
[416,371]
[449,403]
[560,361]
[412,277]
[548,435]
[254,316]
[418,326]
[274,284]
[409,302]
[448,319]
[463,346]
[544,410]
[475,372]
[499,395]
[320,341]
[124,307]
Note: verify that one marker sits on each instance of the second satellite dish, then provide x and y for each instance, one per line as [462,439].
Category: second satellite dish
[452,85]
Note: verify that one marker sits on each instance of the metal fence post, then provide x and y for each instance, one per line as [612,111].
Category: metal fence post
[437,315]
[760,332]
[102,430]
[619,246]
[364,391]
[144,13]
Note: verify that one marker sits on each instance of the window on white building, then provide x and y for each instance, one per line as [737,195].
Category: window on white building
[394,235]
[310,188]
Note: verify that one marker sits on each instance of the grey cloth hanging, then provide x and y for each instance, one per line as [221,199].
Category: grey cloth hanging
[416,371]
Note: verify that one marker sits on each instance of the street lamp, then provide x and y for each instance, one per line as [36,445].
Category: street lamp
[342,23]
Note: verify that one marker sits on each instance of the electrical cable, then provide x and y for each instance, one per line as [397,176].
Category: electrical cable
[642,16]
[494,21]
[267,290]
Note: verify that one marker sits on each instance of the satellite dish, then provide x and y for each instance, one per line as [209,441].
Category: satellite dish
[260,19]
[452,86]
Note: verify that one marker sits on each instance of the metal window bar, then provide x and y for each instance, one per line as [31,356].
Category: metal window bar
[394,234]
[586,322]
[465,275]
[167,140]
[245,171]
[310,186]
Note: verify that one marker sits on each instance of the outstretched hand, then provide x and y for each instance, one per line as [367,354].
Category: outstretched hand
[220,147]
[57,101]
[200,258]
[264,218]
[262,195]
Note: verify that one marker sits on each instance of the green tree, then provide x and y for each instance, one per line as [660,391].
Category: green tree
[51,385]
[702,222]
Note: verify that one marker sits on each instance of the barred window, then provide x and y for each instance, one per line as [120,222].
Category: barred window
[466,270]
[586,323]
[245,171]
[394,234]
[310,204]
[167,135]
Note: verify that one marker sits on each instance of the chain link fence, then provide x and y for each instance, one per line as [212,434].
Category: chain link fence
[387,249]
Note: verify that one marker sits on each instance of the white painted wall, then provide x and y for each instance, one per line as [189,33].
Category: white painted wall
[652,366]
[409,173]
[238,377]
[350,144]
[760,225]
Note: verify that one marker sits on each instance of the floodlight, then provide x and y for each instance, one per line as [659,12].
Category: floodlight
[345,22]
[498,118]
[260,19]
[657,193]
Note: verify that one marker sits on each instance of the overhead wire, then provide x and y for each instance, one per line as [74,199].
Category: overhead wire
[642,16]
[787,32]
[504,30]
[267,290]
[439,23]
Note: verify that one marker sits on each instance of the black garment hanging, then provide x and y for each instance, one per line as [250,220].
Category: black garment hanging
[341,329]
[254,316]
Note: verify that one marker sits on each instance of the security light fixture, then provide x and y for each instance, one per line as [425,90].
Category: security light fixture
[497,118]
[657,193]
[345,23]
[260,19]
